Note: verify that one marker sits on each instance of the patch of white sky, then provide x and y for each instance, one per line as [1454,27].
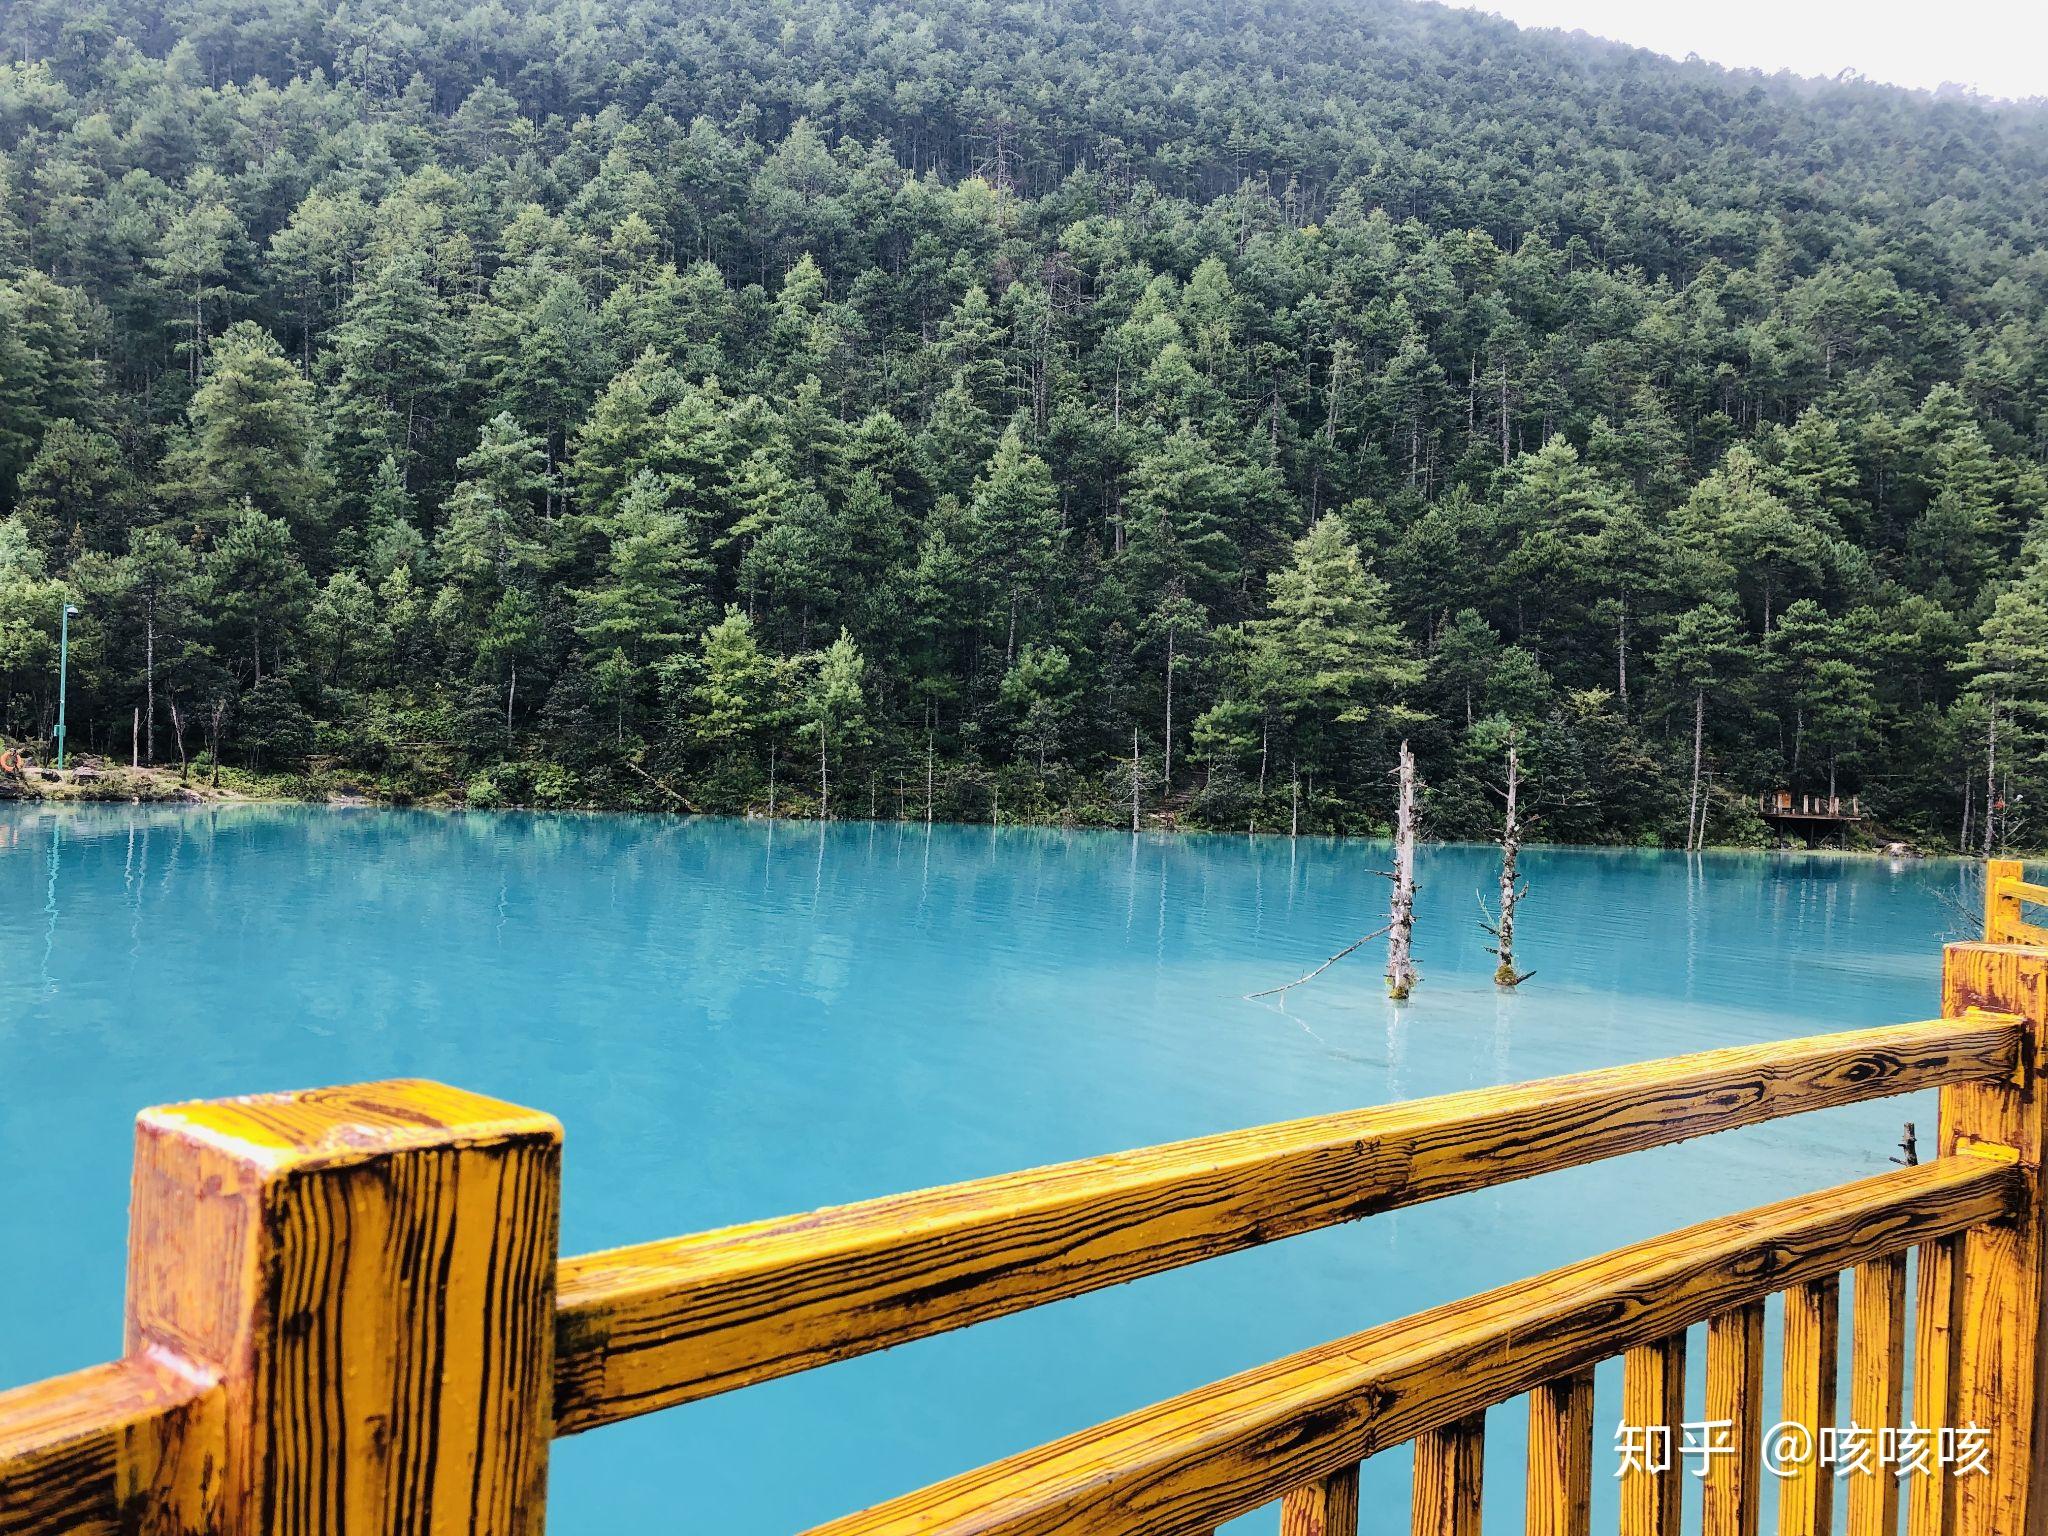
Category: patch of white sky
[1995,47]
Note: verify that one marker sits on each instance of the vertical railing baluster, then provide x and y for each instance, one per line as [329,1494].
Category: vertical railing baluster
[1930,1503]
[1561,1457]
[2002,1357]
[1877,1388]
[1325,1507]
[1813,1323]
[1735,1395]
[2002,914]
[1449,1466]
[1653,1399]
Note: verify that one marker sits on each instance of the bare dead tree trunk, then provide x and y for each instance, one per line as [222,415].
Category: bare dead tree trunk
[1294,805]
[178,730]
[149,674]
[1166,779]
[1621,651]
[1990,776]
[824,779]
[219,714]
[1699,726]
[1401,977]
[1134,778]
[1503,931]
[928,776]
[135,739]
[771,783]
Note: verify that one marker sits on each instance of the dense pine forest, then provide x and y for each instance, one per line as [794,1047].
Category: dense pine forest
[1009,409]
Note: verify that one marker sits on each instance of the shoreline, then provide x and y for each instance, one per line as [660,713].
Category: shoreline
[165,787]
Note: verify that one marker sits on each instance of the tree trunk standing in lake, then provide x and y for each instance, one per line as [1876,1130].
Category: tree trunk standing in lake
[1505,974]
[1401,977]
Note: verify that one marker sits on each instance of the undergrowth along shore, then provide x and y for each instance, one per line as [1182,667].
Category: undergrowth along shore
[974,799]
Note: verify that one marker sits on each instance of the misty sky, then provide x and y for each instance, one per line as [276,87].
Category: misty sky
[1999,47]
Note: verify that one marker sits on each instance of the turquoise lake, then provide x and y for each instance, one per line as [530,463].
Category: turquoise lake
[736,1021]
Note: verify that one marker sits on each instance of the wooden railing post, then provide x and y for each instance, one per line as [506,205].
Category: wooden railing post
[2001,907]
[2001,1371]
[369,1274]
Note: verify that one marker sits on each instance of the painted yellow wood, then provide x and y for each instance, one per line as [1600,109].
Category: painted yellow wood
[116,1448]
[2000,1361]
[1653,1400]
[1225,1449]
[1450,1467]
[1326,1507]
[1560,1490]
[1735,1396]
[2007,895]
[668,1322]
[369,1272]
[1877,1386]
[1813,1322]
[2006,891]
[1930,1495]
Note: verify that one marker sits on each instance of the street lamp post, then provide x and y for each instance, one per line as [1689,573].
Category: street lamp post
[63,667]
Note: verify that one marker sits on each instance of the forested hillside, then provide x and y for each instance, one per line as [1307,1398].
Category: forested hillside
[645,404]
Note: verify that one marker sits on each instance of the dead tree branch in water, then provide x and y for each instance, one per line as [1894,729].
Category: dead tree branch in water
[1312,975]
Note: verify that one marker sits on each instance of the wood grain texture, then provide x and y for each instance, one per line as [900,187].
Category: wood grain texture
[2007,893]
[1560,1486]
[1813,1348]
[1653,1398]
[1326,1507]
[1735,1395]
[1223,1450]
[1450,1470]
[369,1272]
[131,1447]
[668,1322]
[1877,1386]
[1937,1331]
[1999,1370]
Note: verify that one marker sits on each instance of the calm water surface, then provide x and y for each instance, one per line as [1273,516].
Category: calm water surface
[736,1021]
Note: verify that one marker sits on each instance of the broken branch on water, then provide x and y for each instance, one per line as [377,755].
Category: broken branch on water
[1312,975]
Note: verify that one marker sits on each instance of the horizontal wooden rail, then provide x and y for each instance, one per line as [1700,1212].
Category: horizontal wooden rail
[78,1452]
[1221,1451]
[667,1322]
[2006,892]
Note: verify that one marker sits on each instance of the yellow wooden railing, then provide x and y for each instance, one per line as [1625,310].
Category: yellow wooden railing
[346,1314]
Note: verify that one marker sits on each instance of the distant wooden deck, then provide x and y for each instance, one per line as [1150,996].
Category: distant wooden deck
[1808,813]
